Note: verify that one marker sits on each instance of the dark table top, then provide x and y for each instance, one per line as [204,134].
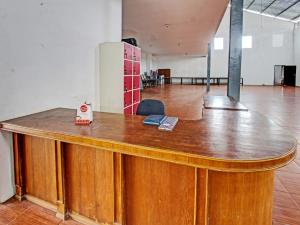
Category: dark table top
[223,102]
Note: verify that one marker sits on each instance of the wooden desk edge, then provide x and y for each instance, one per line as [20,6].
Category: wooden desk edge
[216,164]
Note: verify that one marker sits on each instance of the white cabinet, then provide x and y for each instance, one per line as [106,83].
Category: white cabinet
[120,65]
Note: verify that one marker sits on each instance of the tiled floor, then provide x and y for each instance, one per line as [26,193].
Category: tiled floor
[14,212]
[282,105]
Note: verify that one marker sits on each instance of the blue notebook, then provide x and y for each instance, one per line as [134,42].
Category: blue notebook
[154,119]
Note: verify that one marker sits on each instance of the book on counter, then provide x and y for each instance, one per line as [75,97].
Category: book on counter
[154,119]
[166,123]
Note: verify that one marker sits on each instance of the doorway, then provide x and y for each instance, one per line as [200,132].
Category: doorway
[285,75]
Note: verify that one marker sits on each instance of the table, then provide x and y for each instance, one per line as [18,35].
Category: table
[120,171]
[222,103]
[194,80]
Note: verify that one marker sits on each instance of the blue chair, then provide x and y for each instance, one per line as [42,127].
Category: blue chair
[150,107]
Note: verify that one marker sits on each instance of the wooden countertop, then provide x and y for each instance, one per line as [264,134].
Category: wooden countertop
[223,140]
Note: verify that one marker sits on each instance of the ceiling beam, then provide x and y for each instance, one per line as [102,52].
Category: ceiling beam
[296,17]
[251,3]
[271,3]
[296,2]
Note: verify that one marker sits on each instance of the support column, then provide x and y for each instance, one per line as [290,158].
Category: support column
[235,49]
[148,63]
[208,68]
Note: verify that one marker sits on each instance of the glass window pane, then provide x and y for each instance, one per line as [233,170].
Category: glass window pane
[218,43]
[247,42]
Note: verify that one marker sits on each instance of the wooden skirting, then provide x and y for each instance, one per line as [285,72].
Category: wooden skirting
[85,220]
[41,202]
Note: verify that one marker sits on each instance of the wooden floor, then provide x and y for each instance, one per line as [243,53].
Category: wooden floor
[282,105]
[14,212]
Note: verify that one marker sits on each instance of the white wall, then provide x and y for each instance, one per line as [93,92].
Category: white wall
[297,53]
[49,53]
[183,66]
[7,186]
[258,62]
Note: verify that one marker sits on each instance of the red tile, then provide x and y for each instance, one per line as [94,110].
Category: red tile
[7,214]
[275,222]
[297,159]
[14,212]
[36,215]
[283,199]
[296,198]
[70,222]
[286,215]
[279,186]
[291,181]
[18,206]
[292,167]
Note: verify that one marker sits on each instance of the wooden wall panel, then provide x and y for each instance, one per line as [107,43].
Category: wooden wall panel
[158,192]
[240,198]
[89,178]
[40,168]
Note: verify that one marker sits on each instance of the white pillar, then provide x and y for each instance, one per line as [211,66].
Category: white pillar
[148,62]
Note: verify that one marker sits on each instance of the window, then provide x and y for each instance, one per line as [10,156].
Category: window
[247,42]
[218,43]
[277,40]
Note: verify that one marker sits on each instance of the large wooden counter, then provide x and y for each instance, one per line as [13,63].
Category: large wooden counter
[214,171]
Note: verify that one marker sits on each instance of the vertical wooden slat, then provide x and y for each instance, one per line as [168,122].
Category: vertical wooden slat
[196,196]
[119,212]
[202,197]
[27,164]
[104,180]
[38,167]
[60,181]
[18,163]
[72,171]
[88,183]
[50,168]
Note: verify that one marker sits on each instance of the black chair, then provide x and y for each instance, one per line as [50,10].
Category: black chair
[150,107]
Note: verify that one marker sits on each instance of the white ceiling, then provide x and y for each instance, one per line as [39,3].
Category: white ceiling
[172,27]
